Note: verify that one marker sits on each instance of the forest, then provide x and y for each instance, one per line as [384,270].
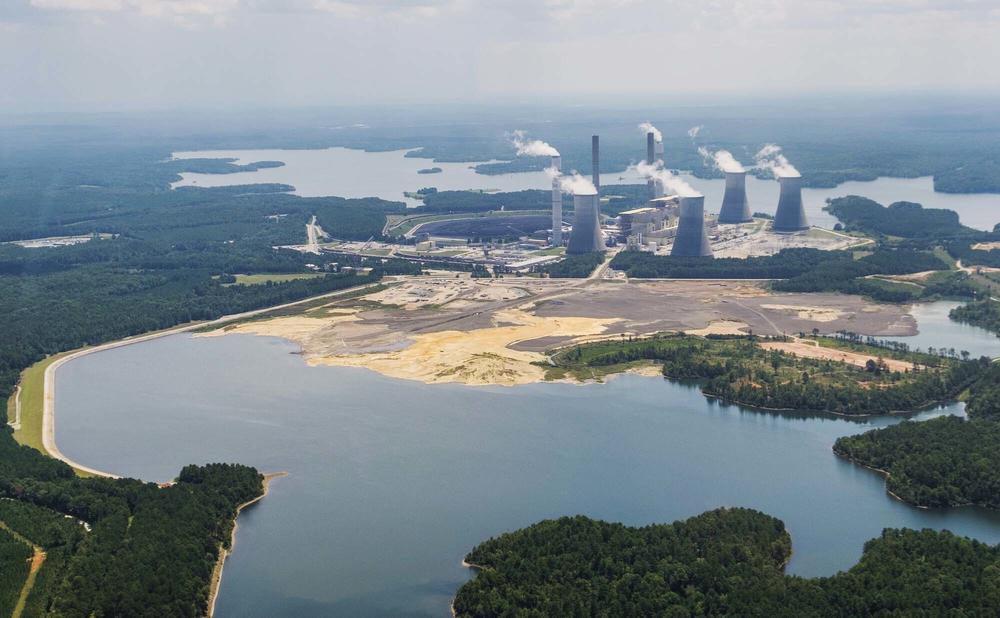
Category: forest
[903,219]
[742,370]
[578,266]
[726,562]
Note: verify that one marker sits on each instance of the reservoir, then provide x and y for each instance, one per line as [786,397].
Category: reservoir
[391,482]
[349,172]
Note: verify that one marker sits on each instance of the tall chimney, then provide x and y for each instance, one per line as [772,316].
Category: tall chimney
[651,160]
[595,163]
[586,236]
[735,207]
[556,203]
[790,216]
[692,238]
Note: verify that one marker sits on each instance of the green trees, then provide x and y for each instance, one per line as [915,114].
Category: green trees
[726,562]
[575,266]
[904,219]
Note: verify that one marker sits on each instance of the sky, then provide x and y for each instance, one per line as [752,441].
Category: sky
[109,55]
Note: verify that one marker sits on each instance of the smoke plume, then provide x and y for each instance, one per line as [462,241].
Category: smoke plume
[771,158]
[694,131]
[532,147]
[573,183]
[647,127]
[723,160]
[668,179]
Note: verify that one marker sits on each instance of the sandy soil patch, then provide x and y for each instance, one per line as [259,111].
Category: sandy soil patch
[813,314]
[476,357]
[438,292]
[986,246]
[720,327]
[807,350]
[297,328]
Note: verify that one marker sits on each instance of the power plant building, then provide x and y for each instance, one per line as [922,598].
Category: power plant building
[692,237]
[586,236]
[735,207]
[790,216]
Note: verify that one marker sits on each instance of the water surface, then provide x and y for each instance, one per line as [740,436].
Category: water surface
[392,482]
[356,173]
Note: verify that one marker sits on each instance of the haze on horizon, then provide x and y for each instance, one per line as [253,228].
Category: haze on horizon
[106,55]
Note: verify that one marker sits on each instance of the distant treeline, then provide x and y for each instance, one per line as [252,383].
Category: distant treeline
[904,219]
[577,266]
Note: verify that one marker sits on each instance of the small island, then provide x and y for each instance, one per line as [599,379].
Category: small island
[430,170]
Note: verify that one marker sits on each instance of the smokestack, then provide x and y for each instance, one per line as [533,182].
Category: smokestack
[735,207]
[692,239]
[790,216]
[595,163]
[586,235]
[556,203]
[651,160]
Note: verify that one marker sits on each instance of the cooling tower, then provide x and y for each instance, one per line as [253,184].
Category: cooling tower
[595,162]
[735,207]
[692,239]
[586,235]
[556,203]
[790,216]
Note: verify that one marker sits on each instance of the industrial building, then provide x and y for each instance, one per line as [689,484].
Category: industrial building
[790,216]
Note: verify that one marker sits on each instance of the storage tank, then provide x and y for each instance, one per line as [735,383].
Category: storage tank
[691,239]
[790,216]
[735,207]
[586,236]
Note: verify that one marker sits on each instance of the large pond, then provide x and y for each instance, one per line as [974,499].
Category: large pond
[356,173]
[392,482]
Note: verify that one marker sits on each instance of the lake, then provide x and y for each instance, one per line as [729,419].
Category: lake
[349,172]
[391,482]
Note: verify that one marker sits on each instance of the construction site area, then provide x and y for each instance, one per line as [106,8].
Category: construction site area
[445,327]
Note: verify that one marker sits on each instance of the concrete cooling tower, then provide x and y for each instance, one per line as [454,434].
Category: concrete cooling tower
[790,216]
[692,239]
[586,235]
[735,207]
[556,203]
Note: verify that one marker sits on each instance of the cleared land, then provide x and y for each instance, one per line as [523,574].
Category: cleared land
[273,278]
[447,329]
[803,349]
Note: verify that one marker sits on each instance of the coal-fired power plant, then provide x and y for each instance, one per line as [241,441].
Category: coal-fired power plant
[595,161]
[692,238]
[735,207]
[586,236]
[556,202]
[790,216]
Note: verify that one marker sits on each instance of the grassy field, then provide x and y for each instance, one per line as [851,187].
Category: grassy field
[32,396]
[274,278]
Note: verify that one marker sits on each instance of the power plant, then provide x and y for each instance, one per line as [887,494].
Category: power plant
[692,238]
[586,236]
[790,216]
[735,207]
[556,202]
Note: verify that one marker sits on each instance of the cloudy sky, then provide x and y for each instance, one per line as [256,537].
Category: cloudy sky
[162,54]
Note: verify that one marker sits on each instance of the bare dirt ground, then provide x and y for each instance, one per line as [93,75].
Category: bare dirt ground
[807,350]
[447,329]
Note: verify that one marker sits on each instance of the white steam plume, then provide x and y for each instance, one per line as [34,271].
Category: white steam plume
[533,147]
[647,127]
[573,182]
[694,131]
[723,160]
[668,179]
[770,158]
